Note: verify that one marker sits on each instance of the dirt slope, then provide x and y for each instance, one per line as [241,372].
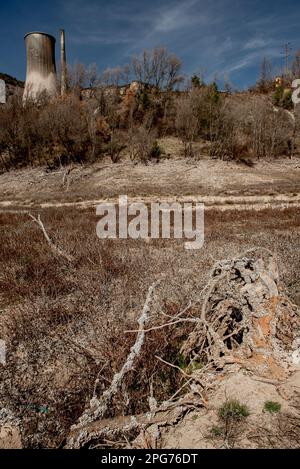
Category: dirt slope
[220,182]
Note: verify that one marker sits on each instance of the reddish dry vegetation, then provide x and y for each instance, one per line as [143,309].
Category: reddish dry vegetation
[65,322]
[125,123]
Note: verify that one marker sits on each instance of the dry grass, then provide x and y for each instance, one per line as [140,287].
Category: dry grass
[64,322]
[173,177]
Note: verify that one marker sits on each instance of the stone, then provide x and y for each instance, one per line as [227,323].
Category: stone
[10,437]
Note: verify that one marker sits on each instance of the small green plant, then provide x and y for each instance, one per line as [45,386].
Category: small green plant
[156,151]
[272,407]
[189,368]
[216,431]
[277,96]
[196,81]
[144,100]
[283,97]
[181,362]
[43,409]
[193,367]
[233,409]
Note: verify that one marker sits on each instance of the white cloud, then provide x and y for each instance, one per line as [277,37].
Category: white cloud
[98,38]
[256,43]
[251,59]
[178,17]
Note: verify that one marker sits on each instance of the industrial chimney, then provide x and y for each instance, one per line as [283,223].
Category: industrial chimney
[41,70]
[63,63]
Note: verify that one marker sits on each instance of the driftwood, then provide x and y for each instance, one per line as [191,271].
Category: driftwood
[98,407]
[129,431]
[244,317]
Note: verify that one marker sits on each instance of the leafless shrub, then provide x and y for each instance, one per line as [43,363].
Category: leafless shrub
[140,143]
[54,133]
[195,115]
[116,145]
[78,76]
[252,129]
[187,123]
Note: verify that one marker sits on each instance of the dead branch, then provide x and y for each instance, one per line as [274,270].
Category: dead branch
[54,248]
[99,407]
[173,366]
[180,389]
[175,320]
[181,313]
[161,326]
[186,375]
[67,180]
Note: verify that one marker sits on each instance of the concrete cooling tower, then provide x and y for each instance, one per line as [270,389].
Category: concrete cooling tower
[41,70]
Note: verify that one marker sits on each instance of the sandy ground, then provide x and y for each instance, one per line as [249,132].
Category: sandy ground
[213,182]
[195,431]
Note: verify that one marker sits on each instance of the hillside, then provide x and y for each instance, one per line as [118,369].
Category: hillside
[9,80]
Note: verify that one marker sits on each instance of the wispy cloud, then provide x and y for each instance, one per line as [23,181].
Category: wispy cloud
[256,43]
[178,16]
[96,38]
[226,36]
[252,58]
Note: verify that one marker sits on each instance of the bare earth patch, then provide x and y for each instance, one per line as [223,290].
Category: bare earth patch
[218,181]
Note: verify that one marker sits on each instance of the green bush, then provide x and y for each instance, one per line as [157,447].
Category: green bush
[156,151]
[277,96]
[283,98]
[233,409]
[272,407]
[196,81]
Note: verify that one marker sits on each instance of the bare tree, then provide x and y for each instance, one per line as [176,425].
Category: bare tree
[158,68]
[187,121]
[266,75]
[77,77]
[296,65]
[92,76]
[116,76]
[126,73]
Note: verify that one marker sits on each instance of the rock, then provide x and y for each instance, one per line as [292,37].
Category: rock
[297,298]
[10,435]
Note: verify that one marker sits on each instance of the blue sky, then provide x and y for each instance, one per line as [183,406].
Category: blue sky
[218,37]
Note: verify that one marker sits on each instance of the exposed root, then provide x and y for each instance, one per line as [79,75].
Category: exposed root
[242,317]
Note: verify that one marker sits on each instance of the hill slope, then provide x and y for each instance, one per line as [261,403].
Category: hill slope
[9,80]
